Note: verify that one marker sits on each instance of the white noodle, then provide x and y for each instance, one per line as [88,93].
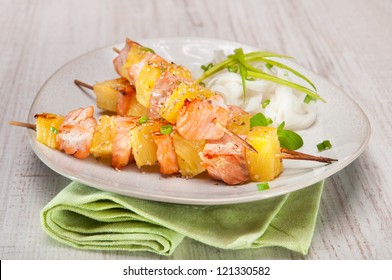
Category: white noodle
[286,104]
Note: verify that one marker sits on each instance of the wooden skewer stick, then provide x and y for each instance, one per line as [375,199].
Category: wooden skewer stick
[290,154]
[285,154]
[116,50]
[22,124]
[246,144]
[80,83]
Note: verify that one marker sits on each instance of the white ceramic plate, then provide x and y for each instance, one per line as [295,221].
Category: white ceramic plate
[340,120]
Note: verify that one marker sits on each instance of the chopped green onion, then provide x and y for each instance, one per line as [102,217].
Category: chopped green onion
[260,120]
[325,145]
[143,119]
[54,130]
[166,129]
[206,67]
[289,139]
[320,147]
[263,186]
[265,103]
[232,68]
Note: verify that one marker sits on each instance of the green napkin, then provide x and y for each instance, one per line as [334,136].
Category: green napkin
[87,218]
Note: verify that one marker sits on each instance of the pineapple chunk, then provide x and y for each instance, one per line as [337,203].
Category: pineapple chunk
[136,109]
[107,93]
[144,148]
[188,157]
[47,126]
[146,81]
[107,96]
[174,103]
[180,71]
[240,124]
[264,165]
[135,55]
[101,145]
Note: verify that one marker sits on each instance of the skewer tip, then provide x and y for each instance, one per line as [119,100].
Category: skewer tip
[290,154]
[22,124]
[83,84]
[244,142]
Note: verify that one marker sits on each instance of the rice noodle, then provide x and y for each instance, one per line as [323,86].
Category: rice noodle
[286,104]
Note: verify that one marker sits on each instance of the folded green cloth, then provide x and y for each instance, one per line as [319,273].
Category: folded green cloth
[87,218]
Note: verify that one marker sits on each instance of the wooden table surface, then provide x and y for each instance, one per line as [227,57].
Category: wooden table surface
[347,42]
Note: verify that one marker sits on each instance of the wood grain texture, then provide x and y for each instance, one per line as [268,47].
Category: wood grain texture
[348,42]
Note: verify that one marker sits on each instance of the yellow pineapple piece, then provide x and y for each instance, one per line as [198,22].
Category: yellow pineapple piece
[101,145]
[144,148]
[179,71]
[107,93]
[266,164]
[240,124]
[146,80]
[188,157]
[185,90]
[136,109]
[135,55]
[47,127]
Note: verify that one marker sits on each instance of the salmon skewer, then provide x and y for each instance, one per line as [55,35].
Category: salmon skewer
[125,139]
[107,90]
[80,135]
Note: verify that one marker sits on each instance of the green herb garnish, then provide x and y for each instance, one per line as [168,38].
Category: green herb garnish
[259,120]
[288,139]
[325,145]
[166,129]
[247,70]
[263,186]
[308,99]
[265,103]
[207,67]
[143,119]
[54,130]
[232,68]
[240,59]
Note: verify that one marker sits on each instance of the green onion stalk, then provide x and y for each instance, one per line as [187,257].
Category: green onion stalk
[242,63]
